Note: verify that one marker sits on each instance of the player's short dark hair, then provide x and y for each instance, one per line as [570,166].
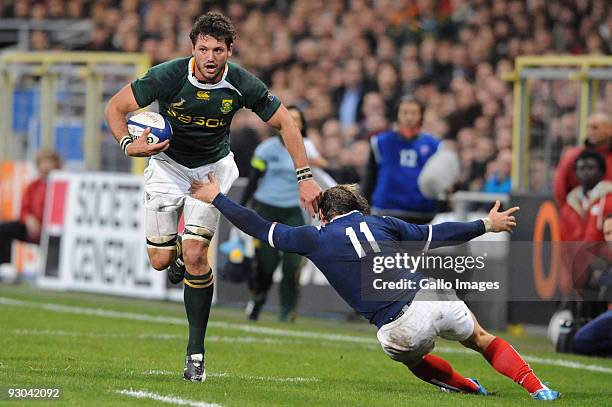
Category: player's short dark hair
[342,199]
[590,154]
[409,98]
[216,25]
[304,128]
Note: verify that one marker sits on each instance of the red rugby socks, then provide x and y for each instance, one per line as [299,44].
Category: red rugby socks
[439,372]
[507,361]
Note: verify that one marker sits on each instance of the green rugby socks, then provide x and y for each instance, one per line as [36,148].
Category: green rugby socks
[198,295]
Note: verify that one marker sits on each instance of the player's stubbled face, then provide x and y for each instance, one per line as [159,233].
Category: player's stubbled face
[408,115]
[210,55]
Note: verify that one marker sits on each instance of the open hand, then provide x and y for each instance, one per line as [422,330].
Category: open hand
[141,148]
[205,191]
[502,221]
[310,195]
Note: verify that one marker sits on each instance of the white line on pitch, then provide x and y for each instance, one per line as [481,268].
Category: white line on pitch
[238,376]
[104,313]
[143,394]
[210,338]
[99,312]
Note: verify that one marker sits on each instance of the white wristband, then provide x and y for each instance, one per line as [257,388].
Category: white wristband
[487,224]
[125,142]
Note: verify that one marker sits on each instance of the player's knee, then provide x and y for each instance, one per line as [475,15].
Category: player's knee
[160,259]
[161,250]
[194,258]
[195,255]
[196,240]
[481,338]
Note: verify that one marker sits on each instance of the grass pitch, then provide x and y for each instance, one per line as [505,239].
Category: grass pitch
[111,351]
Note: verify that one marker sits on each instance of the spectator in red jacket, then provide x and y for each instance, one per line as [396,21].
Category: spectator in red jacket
[28,227]
[582,216]
[599,138]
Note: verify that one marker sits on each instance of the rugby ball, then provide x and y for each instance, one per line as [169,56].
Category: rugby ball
[159,125]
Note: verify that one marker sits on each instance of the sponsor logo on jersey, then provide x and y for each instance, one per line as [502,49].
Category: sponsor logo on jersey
[178,105]
[211,122]
[226,105]
[203,95]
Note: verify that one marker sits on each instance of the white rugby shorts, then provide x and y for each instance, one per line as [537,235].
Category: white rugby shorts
[167,195]
[432,313]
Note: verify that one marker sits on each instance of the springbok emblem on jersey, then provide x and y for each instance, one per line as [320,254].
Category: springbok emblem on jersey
[178,105]
[226,105]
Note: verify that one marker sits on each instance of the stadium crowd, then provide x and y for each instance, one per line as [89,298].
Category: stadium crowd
[347,63]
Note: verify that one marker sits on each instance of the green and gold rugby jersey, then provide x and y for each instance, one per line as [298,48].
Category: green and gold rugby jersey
[201,113]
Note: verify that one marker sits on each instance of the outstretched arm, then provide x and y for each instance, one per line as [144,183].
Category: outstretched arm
[290,239]
[453,233]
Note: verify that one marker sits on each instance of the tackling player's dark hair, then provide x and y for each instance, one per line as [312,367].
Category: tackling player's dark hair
[216,25]
[342,199]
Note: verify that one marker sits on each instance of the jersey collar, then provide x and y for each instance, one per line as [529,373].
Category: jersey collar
[221,84]
[346,214]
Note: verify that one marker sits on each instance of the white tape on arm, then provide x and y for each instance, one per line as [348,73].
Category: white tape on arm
[270,235]
[426,248]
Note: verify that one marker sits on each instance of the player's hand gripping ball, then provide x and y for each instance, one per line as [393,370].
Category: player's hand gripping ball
[160,127]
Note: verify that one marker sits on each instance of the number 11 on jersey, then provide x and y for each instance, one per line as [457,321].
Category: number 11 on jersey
[363,228]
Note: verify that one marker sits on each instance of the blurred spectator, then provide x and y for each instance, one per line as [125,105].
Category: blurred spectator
[595,338]
[373,113]
[388,87]
[348,98]
[395,164]
[498,174]
[325,56]
[100,39]
[599,138]
[468,109]
[28,227]
[40,41]
[582,215]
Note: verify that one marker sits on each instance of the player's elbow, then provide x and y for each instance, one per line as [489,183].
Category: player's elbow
[111,110]
[121,104]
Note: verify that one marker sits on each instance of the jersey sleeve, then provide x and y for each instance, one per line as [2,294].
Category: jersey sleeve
[440,235]
[154,85]
[409,232]
[301,239]
[258,98]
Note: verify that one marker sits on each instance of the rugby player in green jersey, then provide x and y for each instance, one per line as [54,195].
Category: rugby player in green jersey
[198,95]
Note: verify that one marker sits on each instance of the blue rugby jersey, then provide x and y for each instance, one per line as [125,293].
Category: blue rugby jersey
[400,161]
[339,256]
